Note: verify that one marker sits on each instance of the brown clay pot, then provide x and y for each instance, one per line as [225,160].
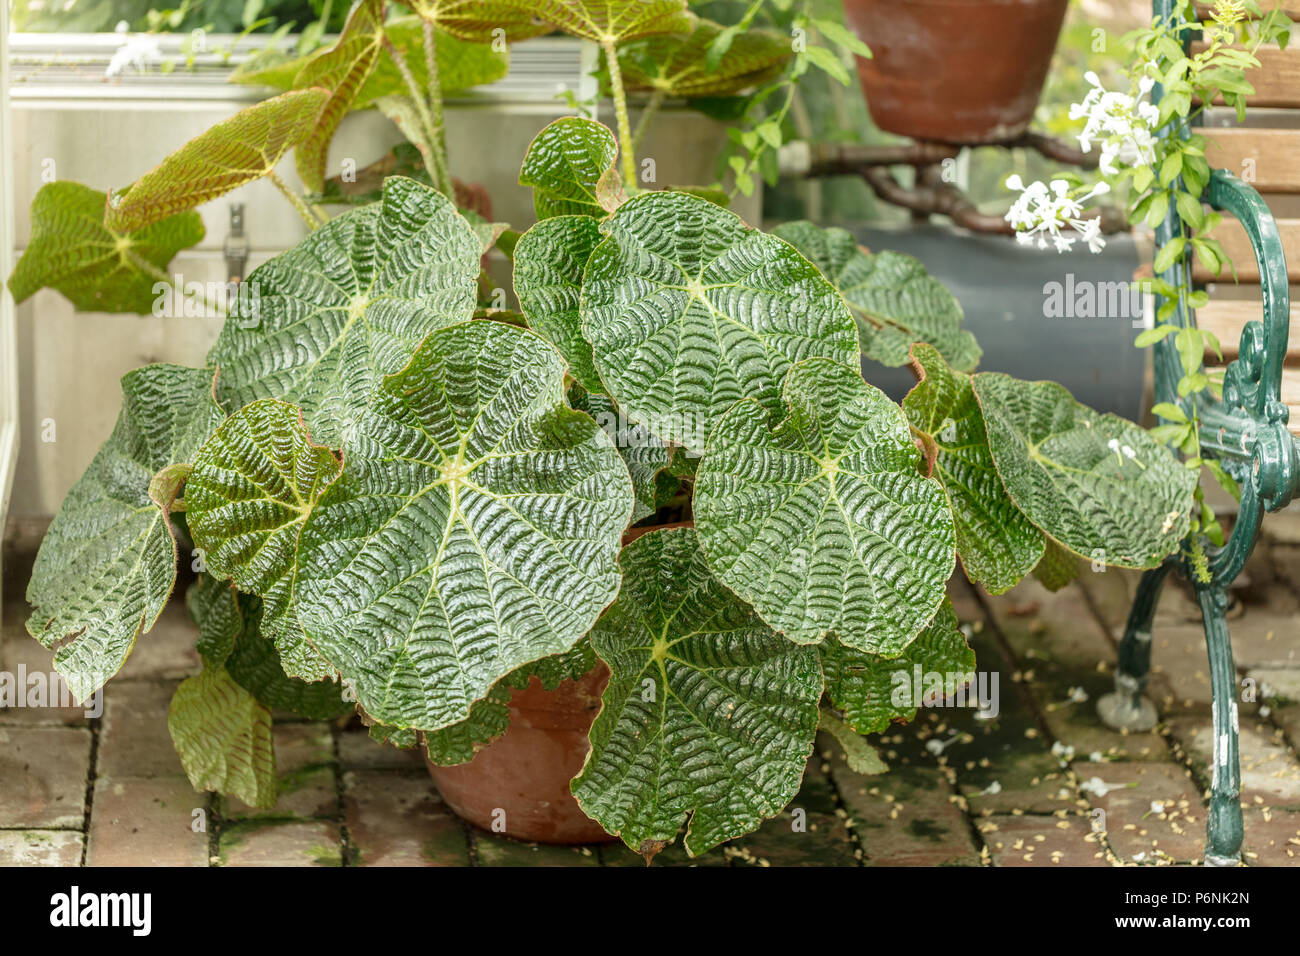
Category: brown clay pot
[955,71]
[526,771]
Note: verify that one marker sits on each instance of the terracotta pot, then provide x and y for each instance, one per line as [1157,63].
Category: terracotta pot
[955,71]
[526,772]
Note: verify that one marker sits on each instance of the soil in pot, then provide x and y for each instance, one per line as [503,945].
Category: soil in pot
[955,71]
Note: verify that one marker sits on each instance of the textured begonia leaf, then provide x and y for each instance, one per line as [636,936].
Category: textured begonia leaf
[895,301]
[475,528]
[461,64]
[613,21]
[1057,568]
[549,262]
[644,455]
[997,544]
[342,70]
[1065,466]
[826,524]
[489,718]
[97,269]
[213,606]
[255,665]
[235,151]
[108,562]
[688,310]
[873,691]
[348,305]
[708,714]
[477,20]
[223,737]
[253,484]
[675,65]
[564,165]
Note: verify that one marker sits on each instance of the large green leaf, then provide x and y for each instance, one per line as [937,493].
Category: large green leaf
[826,524]
[460,64]
[613,21]
[998,545]
[256,666]
[873,691]
[348,305]
[894,299]
[474,528]
[689,310]
[108,562]
[675,65]
[549,262]
[99,270]
[235,151]
[564,165]
[342,70]
[213,606]
[708,713]
[223,737]
[489,717]
[253,484]
[1097,484]
[644,454]
[478,20]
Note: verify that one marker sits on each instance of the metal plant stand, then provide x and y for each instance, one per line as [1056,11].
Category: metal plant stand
[1247,432]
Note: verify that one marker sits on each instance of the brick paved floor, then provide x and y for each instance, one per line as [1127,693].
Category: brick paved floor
[1042,784]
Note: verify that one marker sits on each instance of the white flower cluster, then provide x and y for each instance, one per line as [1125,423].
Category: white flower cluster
[1043,211]
[1123,127]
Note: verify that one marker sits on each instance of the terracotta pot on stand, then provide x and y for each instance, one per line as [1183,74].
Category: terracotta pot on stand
[526,771]
[955,71]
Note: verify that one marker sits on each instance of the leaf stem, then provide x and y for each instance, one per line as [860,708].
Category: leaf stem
[159,275]
[626,145]
[429,153]
[647,117]
[438,143]
[295,200]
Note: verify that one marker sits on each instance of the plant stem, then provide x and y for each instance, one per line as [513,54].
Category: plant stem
[438,142]
[647,116]
[426,119]
[295,200]
[626,146]
[158,275]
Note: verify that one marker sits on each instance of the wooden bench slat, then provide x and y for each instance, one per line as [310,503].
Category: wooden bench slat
[1276,80]
[1268,159]
[1235,243]
[1291,397]
[1226,318]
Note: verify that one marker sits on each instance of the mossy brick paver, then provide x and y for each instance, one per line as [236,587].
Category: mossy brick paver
[1151,811]
[908,817]
[1272,837]
[43,774]
[1270,773]
[395,818]
[794,837]
[134,740]
[495,850]
[306,782]
[148,821]
[1038,840]
[276,843]
[39,689]
[40,847]
[359,751]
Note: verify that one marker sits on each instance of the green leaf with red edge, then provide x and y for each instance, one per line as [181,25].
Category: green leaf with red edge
[342,70]
[99,270]
[614,21]
[236,151]
[564,165]
[478,20]
[461,64]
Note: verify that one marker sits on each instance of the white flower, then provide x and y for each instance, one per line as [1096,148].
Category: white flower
[1044,211]
[135,52]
